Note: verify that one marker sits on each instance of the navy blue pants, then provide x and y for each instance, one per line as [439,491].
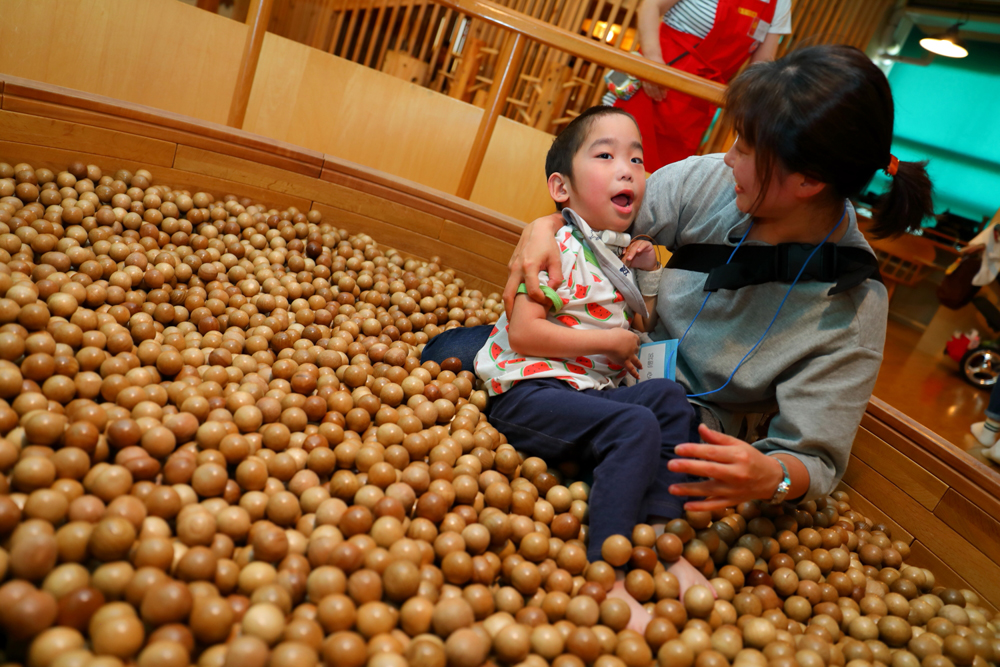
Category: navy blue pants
[628,433]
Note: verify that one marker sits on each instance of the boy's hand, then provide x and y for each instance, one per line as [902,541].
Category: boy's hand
[623,348]
[641,254]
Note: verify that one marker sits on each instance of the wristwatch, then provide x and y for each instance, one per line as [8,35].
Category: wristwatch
[784,486]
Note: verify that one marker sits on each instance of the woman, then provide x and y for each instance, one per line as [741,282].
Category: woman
[710,38]
[814,127]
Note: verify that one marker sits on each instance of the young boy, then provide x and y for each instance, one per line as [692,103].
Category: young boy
[553,370]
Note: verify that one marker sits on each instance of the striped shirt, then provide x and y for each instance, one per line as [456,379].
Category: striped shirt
[696,17]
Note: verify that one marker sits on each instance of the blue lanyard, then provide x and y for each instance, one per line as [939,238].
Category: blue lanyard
[780,305]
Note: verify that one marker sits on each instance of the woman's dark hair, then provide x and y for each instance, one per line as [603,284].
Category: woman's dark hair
[826,112]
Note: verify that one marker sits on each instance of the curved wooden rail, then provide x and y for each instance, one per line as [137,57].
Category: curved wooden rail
[51,126]
[931,494]
[582,47]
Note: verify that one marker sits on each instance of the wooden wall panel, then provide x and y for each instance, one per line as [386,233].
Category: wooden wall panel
[320,101]
[72,136]
[163,53]
[512,178]
[921,485]
[982,573]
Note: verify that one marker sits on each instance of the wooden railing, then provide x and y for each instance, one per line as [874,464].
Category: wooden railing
[521,28]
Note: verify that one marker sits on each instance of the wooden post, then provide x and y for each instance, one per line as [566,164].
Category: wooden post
[503,81]
[257,20]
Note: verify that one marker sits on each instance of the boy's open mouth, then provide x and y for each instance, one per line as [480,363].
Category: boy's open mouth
[623,199]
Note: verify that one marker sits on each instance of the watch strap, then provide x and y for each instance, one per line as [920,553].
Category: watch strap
[784,486]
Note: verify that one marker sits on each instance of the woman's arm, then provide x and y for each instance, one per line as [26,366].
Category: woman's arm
[536,251]
[820,404]
[767,49]
[648,18]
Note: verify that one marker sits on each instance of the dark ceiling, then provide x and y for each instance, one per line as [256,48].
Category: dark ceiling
[986,7]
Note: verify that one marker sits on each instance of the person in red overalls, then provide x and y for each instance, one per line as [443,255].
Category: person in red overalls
[710,38]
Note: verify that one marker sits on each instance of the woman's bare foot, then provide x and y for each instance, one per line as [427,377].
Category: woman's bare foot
[640,617]
[687,576]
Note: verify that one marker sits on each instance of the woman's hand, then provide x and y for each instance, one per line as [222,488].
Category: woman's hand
[641,255]
[736,472]
[536,251]
[655,91]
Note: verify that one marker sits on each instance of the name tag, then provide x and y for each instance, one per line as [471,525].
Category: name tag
[759,30]
[659,360]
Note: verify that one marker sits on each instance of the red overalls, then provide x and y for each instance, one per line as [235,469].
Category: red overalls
[672,129]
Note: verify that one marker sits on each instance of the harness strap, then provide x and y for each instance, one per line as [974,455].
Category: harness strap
[755,265]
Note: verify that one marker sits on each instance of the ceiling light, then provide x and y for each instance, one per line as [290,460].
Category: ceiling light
[948,44]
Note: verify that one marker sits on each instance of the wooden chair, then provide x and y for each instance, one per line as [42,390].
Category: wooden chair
[905,260]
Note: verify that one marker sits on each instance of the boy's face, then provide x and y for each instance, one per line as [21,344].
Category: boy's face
[609,179]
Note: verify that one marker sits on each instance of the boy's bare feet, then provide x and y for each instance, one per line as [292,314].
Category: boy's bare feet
[687,576]
[640,617]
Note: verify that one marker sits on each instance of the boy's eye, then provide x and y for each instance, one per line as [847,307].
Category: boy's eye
[604,156]
[637,160]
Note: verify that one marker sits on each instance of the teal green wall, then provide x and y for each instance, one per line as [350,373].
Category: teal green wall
[949,113]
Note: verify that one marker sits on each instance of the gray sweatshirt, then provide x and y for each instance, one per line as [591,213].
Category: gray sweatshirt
[818,364]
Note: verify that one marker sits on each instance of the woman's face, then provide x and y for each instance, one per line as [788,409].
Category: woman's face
[742,159]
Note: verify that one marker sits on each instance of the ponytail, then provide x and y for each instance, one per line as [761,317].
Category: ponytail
[906,203]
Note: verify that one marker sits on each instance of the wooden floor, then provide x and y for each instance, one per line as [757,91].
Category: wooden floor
[929,389]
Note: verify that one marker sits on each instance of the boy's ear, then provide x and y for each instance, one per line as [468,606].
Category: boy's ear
[559,188]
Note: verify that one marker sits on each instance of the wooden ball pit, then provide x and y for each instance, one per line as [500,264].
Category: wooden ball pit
[263,470]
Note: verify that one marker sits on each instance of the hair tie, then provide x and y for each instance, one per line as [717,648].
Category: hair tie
[893,165]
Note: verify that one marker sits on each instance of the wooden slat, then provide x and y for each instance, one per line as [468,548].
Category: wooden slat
[924,487]
[478,242]
[430,205]
[921,556]
[58,159]
[148,129]
[582,47]
[36,90]
[257,18]
[860,503]
[970,522]
[72,136]
[420,245]
[513,50]
[951,547]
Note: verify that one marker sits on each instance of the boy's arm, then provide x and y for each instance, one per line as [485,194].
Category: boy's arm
[531,334]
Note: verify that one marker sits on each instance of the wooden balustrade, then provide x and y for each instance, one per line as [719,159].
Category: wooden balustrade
[257,19]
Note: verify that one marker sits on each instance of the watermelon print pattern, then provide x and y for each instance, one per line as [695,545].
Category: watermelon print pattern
[590,301]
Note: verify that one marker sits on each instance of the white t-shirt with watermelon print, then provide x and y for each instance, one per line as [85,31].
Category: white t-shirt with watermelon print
[585,300]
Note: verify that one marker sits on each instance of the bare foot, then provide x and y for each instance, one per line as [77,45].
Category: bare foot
[640,617]
[687,576]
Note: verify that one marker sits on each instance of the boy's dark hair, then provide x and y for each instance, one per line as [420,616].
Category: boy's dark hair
[559,159]
[826,112]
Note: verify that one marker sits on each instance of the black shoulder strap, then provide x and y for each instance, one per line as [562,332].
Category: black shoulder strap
[755,265]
